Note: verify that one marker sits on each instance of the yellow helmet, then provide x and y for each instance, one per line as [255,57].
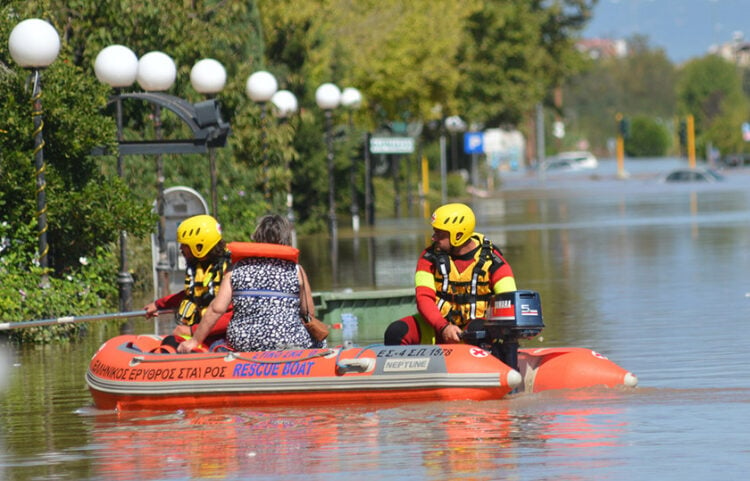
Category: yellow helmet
[201,233]
[457,219]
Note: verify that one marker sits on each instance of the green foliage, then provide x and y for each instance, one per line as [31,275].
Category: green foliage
[84,209]
[647,79]
[87,287]
[402,54]
[513,53]
[85,219]
[710,88]
[403,57]
[642,83]
[411,60]
[501,56]
[648,138]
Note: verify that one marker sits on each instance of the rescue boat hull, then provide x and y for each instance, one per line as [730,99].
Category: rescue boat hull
[545,369]
[125,375]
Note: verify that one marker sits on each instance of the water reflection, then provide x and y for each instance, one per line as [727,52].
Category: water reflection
[475,440]
[372,260]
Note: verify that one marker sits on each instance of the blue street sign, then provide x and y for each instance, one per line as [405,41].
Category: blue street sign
[473,143]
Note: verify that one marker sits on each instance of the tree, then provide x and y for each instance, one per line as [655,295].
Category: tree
[407,58]
[639,84]
[502,63]
[648,138]
[418,61]
[187,31]
[73,125]
[710,88]
[399,54]
[514,53]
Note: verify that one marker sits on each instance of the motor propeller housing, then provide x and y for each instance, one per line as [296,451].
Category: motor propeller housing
[512,316]
[516,314]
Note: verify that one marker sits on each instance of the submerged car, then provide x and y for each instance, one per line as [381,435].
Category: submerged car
[571,161]
[697,174]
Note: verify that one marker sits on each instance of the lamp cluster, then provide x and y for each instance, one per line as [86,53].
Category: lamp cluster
[35,44]
[118,67]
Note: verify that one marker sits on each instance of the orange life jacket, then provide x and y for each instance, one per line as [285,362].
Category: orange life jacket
[242,250]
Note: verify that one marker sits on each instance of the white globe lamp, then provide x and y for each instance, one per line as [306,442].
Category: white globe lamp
[285,103]
[351,98]
[116,66]
[34,43]
[156,72]
[261,86]
[208,76]
[328,96]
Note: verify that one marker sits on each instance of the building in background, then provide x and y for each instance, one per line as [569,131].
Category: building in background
[736,51]
[600,48]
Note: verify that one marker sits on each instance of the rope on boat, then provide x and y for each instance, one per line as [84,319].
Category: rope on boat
[361,351]
[230,356]
[325,353]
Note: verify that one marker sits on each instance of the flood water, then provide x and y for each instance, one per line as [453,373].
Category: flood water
[652,275]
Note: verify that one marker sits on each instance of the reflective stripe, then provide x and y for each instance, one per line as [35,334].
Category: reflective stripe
[427,333]
[261,293]
[424,279]
[506,284]
[444,269]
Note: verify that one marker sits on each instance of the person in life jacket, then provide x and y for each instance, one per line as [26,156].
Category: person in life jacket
[455,279]
[270,293]
[207,259]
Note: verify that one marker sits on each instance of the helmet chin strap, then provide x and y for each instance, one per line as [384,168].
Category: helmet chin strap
[463,248]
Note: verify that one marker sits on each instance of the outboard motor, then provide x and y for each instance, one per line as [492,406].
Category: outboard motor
[512,316]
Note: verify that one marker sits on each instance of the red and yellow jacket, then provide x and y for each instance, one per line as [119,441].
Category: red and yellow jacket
[459,289]
[201,286]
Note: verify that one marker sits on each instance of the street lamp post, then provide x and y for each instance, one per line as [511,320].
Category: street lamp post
[328,96]
[455,125]
[34,44]
[443,169]
[286,105]
[208,77]
[351,100]
[117,66]
[156,73]
[260,87]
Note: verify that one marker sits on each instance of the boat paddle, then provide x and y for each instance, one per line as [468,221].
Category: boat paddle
[4,326]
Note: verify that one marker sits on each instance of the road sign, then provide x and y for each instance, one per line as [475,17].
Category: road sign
[391,145]
[746,131]
[558,129]
[473,143]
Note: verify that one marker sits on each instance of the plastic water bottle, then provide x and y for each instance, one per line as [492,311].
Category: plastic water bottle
[349,328]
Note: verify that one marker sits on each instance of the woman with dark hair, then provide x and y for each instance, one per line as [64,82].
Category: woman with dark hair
[269,295]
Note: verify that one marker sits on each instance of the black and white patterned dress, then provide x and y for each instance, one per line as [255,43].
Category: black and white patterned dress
[265,294]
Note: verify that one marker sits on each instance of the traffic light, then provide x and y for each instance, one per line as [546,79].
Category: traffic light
[624,127]
[682,132]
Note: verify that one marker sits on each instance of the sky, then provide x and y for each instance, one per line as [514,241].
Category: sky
[683,28]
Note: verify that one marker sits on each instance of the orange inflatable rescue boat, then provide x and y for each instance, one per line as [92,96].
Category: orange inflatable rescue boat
[125,374]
